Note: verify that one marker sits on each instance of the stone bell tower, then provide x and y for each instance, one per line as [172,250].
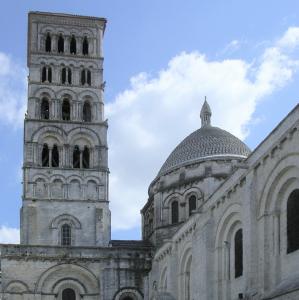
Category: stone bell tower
[65,170]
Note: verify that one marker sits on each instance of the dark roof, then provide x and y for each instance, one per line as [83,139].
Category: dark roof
[130,244]
[205,143]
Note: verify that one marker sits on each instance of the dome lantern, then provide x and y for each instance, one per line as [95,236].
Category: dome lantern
[205,114]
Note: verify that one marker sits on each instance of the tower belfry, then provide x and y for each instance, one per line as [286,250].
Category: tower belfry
[65,195]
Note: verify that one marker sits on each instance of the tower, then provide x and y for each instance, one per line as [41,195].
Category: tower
[65,170]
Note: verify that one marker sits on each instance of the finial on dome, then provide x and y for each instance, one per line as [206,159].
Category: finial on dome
[205,114]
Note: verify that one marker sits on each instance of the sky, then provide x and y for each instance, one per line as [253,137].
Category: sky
[161,59]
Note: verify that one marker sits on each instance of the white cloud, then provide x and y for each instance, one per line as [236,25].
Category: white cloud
[155,113]
[9,235]
[12,92]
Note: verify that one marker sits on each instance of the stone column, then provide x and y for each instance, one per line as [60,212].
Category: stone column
[67,44]
[79,45]
[54,43]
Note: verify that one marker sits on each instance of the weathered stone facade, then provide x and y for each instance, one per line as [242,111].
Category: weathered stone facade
[241,240]
[220,222]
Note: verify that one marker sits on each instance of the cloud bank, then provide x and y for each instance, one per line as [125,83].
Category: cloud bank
[155,113]
[9,235]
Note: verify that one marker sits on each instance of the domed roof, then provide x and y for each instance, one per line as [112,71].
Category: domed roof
[205,143]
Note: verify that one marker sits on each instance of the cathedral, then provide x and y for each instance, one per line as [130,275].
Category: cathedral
[221,222]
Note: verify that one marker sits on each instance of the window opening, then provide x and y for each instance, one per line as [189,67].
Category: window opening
[48,43]
[238,253]
[76,158]
[73,45]
[83,77]
[192,204]
[44,74]
[88,77]
[45,109]
[60,44]
[66,235]
[293,222]
[85,46]
[55,157]
[174,212]
[45,156]
[85,158]
[68,294]
[69,74]
[63,75]
[86,112]
[49,74]
[66,110]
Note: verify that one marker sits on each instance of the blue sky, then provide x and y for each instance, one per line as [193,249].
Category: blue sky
[161,59]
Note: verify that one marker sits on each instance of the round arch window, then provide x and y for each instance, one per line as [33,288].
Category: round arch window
[68,294]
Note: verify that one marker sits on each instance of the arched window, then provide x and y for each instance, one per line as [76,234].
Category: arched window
[73,45]
[85,77]
[86,112]
[238,241]
[66,110]
[68,294]
[85,46]
[66,235]
[88,77]
[174,212]
[48,43]
[76,158]
[60,44]
[69,75]
[55,157]
[192,204]
[44,74]
[44,110]
[45,156]
[49,74]
[293,222]
[86,158]
[66,76]
[63,75]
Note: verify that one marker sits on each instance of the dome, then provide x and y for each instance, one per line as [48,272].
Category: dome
[205,143]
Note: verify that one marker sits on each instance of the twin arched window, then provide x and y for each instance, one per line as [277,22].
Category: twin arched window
[85,77]
[66,75]
[46,74]
[50,159]
[81,159]
[192,205]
